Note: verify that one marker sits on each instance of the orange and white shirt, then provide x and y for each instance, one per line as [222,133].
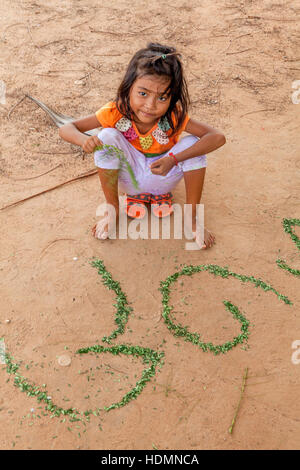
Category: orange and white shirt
[155,142]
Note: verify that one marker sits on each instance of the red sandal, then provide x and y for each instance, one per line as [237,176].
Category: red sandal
[162,205]
[136,205]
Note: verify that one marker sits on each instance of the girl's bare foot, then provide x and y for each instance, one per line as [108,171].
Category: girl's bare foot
[104,227]
[100,230]
[209,238]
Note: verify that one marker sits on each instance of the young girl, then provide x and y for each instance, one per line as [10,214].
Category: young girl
[145,121]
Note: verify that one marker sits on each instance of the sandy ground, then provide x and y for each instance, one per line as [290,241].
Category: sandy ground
[240,61]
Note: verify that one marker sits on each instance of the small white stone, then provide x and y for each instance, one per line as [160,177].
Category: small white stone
[75,258]
[64,360]
[7,321]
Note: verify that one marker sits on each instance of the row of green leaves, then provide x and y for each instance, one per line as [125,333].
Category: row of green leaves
[287,226]
[148,355]
[179,330]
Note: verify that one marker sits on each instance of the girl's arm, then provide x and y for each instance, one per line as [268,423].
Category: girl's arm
[74,133]
[210,140]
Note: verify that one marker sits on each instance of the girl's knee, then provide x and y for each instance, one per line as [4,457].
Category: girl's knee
[188,140]
[109,135]
[185,142]
[195,163]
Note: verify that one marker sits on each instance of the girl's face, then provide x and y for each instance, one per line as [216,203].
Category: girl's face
[147,99]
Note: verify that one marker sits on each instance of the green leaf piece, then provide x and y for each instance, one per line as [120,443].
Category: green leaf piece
[179,330]
[115,151]
[287,226]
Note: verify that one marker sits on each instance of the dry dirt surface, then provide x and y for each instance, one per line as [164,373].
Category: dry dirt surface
[241,61]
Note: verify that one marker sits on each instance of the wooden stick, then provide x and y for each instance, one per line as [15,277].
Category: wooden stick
[238,52]
[84,175]
[79,24]
[17,104]
[117,370]
[233,39]
[253,84]
[89,86]
[96,68]
[29,31]
[10,26]
[237,409]
[242,35]
[258,111]
[54,241]
[251,17]
[128,33]
[65,70]
[292,60]
[33,177]
[83,22]
[52,153]
[55,42]
[275,19]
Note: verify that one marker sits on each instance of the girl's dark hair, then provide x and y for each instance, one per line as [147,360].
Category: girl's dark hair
[157,59]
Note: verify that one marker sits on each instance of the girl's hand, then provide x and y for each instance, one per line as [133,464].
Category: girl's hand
[162,166]
[90,143]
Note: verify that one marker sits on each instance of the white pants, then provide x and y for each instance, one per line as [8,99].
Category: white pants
[147,181]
